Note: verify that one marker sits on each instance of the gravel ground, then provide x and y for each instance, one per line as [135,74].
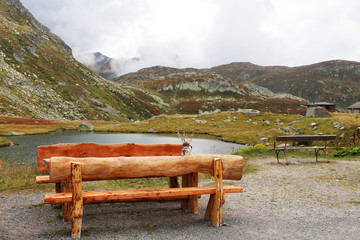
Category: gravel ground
[303,200]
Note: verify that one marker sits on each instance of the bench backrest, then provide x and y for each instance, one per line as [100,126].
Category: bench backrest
[135,167]
[104,150]
[300,138]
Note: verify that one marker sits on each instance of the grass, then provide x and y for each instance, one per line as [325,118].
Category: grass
[19,175]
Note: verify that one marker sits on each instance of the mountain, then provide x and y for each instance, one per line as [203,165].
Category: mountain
[190,90]
[99,63]
[335,81]
[39,77]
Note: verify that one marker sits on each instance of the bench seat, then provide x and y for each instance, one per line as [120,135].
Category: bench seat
[138,195]
[300,148]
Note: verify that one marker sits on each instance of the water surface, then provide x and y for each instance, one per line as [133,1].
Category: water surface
[27,148]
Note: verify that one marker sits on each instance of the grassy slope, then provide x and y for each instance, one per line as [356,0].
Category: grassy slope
[232,127]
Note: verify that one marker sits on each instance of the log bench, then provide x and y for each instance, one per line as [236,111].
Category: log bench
[302,138]
[101,150]
[72,171]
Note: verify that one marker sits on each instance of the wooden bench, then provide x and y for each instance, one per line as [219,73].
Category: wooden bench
[302,138]
[72,171]
[102,150]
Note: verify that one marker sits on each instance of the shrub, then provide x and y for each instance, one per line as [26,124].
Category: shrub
[347,151]
[256,150]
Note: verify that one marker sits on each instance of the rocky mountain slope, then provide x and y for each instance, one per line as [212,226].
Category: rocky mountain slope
[39,77]
[335,81]
[191,90]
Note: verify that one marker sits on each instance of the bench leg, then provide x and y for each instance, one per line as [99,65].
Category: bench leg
[277,152]
[185,180]
[173,182]
[194,199]
[277,155]
[66,207]
[325,152]
[190,204]
[287,162]
[216,201]
[77,200]
[316,153]
[326,155]
[58,187]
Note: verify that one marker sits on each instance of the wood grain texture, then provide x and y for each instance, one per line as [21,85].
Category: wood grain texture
[216,209]
[193,205]
[104,150]
[66,207]
[77,200]
[136,195]
[139,167]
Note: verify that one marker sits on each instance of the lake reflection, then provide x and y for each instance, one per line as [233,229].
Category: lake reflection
[27,150]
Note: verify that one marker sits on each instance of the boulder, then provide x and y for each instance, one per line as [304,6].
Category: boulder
[11,133]
[201,121]
[248,111]
[85,127]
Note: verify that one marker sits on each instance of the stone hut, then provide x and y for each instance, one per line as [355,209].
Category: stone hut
[318,112]
[355,108]
[330,107]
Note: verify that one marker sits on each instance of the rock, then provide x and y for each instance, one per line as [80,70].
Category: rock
[214,125]
[342,135]
[286,129]
[260,135]
[313,124]
[151,130]
[248,111]
[227,120]
[201,121]
[202,113]
[85,127]
[297,130]
[11,133]
[217,111]
[278,121]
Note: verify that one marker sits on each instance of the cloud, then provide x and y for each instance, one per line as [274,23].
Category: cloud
[205,33]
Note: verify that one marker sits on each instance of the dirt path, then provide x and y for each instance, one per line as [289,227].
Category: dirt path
[303,200]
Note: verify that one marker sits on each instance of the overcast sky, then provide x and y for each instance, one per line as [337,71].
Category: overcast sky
[206,33]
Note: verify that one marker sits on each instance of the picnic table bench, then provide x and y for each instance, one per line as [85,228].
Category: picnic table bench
[102,150]
[72,171]
[302,138]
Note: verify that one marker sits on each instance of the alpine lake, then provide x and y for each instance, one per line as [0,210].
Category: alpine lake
[26,150]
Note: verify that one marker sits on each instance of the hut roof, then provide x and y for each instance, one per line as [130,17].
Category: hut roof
[321,104]
[355,105]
